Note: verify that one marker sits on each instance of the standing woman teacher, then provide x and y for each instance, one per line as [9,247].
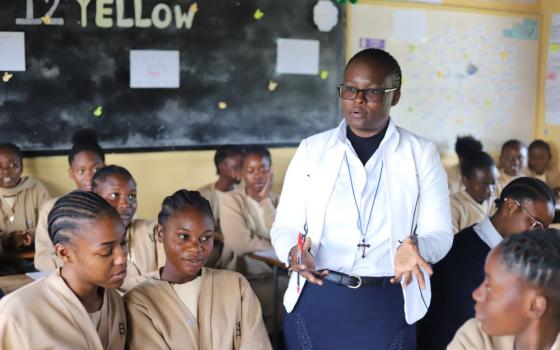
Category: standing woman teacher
[373,202]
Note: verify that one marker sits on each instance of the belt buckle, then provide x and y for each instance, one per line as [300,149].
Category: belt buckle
[359,282]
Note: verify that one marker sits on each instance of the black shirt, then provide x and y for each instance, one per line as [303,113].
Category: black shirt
[365,147]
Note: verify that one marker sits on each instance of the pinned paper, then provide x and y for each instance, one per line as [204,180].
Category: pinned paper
[193,8]
[258,14]
[272,85]
[410,26]
[324,74]
[98,112]
[439,74]
[297,56]
[554,47]
[12,51]
[154,69]
[6,77]
[222,105]
[46,20]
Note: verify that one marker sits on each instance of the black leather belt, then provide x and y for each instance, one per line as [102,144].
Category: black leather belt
[353,281]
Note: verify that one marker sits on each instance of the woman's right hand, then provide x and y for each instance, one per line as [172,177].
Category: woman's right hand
[306,267]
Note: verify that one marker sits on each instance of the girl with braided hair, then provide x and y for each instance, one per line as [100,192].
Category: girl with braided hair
[518,303]
[206,308]
[76,306]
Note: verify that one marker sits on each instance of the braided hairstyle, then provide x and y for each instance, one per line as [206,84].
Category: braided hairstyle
[526,188]
[102,174]
[85,141]
[381,59]
[535,257]
[183,199]
[63,219]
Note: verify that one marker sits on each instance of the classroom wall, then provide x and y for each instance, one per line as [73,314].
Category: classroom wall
[157,174]
[160,173]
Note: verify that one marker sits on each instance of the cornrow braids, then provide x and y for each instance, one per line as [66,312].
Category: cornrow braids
[102,174]
[85,141]
[183,199]
[535,257]
[526,188]
[69,209]
[382,59]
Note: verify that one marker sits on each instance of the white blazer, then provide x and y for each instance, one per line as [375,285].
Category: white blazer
[414,173]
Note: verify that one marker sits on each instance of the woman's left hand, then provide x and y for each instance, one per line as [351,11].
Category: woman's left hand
[408,261]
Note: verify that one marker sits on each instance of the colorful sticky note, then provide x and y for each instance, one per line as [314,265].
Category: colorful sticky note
[258,14]
[222,105]
[554,47]
[272,85]
[504,55]
[46,20]
[193,8]
[439,74]
[324,74]
[6,77]
[98,112]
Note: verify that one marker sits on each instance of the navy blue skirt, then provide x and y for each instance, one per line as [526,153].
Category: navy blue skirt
[333,316]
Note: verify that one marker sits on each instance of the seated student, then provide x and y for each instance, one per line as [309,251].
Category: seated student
[539,165]
[524,204]
[228,165]
[188,306]
[247,214]
[117,186]
[513,160]
[20,201]
[476,201]
[518,303]
[464,146]
[74,307]
[84,159]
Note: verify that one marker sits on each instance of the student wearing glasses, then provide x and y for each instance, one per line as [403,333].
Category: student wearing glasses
[524,204]
[372,199]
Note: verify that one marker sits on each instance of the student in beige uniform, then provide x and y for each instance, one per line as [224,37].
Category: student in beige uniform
[476,201]
[145,255]
[540,167]
[247,214]
[464,146]
[20,201]
[188,306]
[518,303]
[76,306]
[228,167]
[513,160]
[84,159]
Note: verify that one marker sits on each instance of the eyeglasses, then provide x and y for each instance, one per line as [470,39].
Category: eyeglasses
[536,222]
[349,92]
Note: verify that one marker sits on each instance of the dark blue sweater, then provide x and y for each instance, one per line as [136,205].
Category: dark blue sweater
[454,279]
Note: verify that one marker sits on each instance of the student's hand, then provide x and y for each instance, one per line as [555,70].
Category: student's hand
[306,268]
[408,261]
[267,188]
[21,239]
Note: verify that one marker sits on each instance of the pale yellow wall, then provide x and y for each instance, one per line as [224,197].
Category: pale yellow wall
[157,174]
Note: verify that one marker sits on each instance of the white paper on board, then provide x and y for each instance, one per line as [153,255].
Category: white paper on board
[409,25]
[297,56]
[12,51]
[154,69]
[555,29]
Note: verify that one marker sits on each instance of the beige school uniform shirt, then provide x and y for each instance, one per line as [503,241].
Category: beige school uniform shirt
[551,176]
[145,254]
[465,211]
[246,227]
[228,315]
[454,178]
[471,337]
[502,182]
[213,196]
[47,314]
[19,207]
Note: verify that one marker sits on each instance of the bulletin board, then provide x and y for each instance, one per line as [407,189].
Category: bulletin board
[78,73]
[463,72]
